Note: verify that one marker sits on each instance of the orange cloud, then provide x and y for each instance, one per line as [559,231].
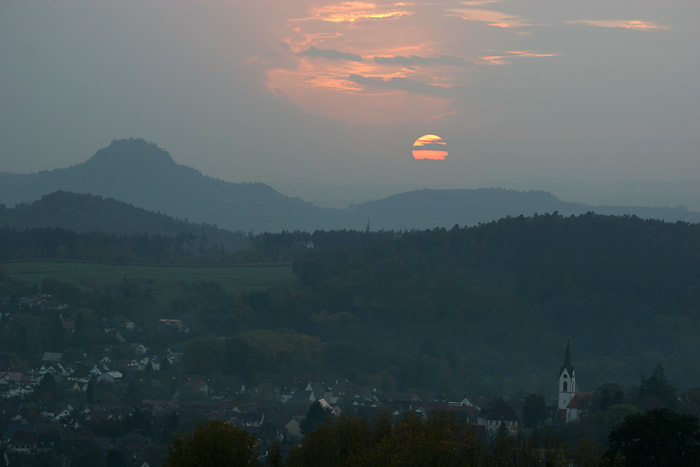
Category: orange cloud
[504,59]
[490,17]
[338,97]
[340,64]
[356,11]
[344,61]
[530,54]
[622,24]
[479,2]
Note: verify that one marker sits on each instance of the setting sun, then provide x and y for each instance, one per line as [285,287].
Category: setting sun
[430,147]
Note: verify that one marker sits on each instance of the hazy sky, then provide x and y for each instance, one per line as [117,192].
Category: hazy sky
[337,92]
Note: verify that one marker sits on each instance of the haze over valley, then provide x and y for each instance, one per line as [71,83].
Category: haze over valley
[139,172]
[312,233]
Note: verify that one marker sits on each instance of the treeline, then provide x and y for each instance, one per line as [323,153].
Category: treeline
[483,310]
[62,244]
[535,260]
[55,243]
[656,438]
[85,213]
[509,292]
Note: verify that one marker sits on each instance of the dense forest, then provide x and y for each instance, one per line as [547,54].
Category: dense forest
[504,295]
[484,309]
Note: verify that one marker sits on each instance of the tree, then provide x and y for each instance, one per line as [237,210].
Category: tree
[274,456]
[657,386]
[47,383]
[533,410]
[203,355]
[314,417]
[438,440]
[659,437]
[115,459]
[606,395]
[588,453]
[213,444]
[90,391]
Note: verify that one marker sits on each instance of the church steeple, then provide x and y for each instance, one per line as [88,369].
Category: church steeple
[567,382]
[567,359]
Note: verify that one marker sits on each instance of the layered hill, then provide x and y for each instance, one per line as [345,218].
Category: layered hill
[425,209]
[140,173]
[86,213]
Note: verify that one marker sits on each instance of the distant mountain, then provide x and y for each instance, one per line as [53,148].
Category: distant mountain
[88,213]
[140,173]
[620,192]
[425,209]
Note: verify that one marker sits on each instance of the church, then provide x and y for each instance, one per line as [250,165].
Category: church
[571,404]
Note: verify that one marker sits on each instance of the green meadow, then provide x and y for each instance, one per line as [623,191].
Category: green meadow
[165,281]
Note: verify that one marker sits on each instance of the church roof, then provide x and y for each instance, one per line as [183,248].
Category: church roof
[581,401]
[567,360]
[498,409]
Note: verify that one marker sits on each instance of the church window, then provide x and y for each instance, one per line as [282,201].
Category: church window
[564,386]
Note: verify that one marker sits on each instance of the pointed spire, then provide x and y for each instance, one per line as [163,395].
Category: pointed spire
[567,359]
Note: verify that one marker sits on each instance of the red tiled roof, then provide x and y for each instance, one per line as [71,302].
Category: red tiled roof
[23,437]
[581,401]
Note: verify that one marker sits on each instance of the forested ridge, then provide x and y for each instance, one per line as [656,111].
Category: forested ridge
[502,295]
[87,213]
[483,309]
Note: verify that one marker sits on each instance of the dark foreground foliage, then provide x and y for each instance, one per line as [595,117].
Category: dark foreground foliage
[659,437]
[213,444]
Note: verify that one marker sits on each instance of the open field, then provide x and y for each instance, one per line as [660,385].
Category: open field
[164,280]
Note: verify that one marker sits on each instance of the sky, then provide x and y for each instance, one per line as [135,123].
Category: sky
[336,92]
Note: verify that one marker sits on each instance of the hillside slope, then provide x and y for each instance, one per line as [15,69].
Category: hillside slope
[137,172]
[140,173]
[425,209]
[88,213]
[497,301]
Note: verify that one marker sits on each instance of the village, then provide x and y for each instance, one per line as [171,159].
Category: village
[130,398]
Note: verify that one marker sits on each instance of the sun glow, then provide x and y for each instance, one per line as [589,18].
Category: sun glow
[351,12]
[430,147]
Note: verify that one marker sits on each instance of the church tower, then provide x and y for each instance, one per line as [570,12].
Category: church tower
[567,382]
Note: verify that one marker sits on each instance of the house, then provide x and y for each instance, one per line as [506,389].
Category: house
[23,442]
[95,371]
[170,324]
[498,413]
[197,385]
[138,349]
[579,405]
[110,376]
[52,357]
[293,428]
[65,412]
[68,325]
[17,377]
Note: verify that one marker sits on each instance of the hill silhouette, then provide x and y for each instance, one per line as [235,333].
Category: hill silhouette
[86,213]
[425,209]
[140,173]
